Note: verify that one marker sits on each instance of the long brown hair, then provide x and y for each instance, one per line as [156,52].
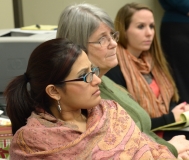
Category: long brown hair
[122,22]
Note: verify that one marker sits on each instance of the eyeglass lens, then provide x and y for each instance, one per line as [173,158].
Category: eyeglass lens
[106,41]
[89,76]
[115,36]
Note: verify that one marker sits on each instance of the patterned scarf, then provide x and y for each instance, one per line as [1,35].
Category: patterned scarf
[133,69]
[110,134]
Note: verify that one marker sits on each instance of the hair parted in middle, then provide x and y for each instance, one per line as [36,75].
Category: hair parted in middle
[122,23]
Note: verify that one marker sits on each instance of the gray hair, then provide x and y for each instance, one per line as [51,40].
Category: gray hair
[78,22]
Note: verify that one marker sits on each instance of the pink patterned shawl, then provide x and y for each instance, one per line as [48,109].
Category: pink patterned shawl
[110,134]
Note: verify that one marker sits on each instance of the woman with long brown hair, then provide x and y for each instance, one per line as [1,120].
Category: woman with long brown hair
[143,69]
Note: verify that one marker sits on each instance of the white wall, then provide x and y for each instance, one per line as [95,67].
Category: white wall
[48,11]
[6,14]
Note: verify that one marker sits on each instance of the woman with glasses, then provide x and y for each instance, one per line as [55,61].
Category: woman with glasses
[62,116]
[85,23]
[143,69]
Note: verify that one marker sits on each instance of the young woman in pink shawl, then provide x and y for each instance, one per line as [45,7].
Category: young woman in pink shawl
[57,113]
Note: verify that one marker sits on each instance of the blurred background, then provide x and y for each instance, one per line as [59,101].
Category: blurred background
[19,13]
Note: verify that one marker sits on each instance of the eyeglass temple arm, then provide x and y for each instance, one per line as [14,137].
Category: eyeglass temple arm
[78,79]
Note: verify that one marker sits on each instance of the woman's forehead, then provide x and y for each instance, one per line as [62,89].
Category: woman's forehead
[81,62]
[101,30]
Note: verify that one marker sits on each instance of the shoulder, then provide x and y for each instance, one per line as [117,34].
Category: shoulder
[26,139]
[110,104]
[114,70]
[39,128]
[112,89]
[114,73]
[107,81]
[109,84]
[112,107]
[33,125]
[37,125]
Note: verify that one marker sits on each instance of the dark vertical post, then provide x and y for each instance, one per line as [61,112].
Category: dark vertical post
[18,13]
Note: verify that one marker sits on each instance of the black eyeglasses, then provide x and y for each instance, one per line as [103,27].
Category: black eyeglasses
[86,78]
[105,40]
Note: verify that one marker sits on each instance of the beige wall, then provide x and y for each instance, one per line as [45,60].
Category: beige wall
[6,16]
[48,11]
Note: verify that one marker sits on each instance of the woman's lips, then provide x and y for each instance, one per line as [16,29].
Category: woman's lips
[111,55]
[97,92]
[147,42]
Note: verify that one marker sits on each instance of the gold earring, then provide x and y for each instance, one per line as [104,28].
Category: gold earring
[59,108]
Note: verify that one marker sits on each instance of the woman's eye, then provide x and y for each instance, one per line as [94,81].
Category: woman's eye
[152,26]
[102,38]
[82,75]
[141,26]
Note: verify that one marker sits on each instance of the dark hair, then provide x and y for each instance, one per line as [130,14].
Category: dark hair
[49,63]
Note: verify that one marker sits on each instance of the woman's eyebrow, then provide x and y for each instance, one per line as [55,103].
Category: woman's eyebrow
[84,70]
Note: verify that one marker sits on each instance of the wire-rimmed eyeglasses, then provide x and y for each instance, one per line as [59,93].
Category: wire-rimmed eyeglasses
[87,77]
[105,40]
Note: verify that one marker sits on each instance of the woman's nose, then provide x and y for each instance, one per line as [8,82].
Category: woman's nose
[149,31]
[96,80]
[113,42]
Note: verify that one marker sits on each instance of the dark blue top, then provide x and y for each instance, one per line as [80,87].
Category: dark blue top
[175,10]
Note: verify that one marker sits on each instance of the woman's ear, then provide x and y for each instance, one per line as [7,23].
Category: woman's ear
[53,92]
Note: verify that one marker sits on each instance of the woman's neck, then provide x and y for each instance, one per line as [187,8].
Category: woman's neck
[74,117]
[71,116]
[102,72]
[134,52]
[65,115]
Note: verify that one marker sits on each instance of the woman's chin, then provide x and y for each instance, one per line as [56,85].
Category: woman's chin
[114,63]
[96,102]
